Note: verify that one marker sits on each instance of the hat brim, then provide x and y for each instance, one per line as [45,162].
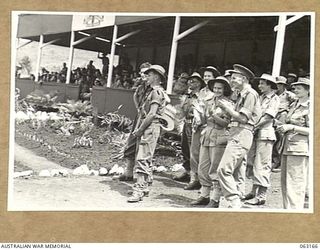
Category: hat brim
[203,84]
[300,83]
[249,76]
[280,82]
[256,80]
[225,84]
[158,72]
[166,122]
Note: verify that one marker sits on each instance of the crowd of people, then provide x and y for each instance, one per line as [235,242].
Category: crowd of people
[236,125]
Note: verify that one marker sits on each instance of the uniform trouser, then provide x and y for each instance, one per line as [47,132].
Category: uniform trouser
[231,167]
[262,162]
[131,144]
[131,147]
[240,176]
[210,157]
[146,147]
[185,145]
[276,157]
[195,152]
[294,176]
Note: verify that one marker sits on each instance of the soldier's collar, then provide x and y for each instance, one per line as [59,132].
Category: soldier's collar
[270,94]
[245,90]
[304,104]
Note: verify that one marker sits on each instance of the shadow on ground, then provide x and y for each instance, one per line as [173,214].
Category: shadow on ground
[169,182]
[118,186]
[175,200]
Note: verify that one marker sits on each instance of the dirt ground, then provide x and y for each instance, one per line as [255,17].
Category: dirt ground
[102,193]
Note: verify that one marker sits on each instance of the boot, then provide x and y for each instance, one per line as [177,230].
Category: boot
[260,199]
[194,183]
[181,176]
[213,204]
[139,190]
[215,195]
[201,201]
[252,193]
[128,173]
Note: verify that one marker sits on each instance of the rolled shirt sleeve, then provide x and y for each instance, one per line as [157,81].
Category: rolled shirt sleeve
[249,104]
[273,106]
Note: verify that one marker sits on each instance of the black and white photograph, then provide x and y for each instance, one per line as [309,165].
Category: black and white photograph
[203,112]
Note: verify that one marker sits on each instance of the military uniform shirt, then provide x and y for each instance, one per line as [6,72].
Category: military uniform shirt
[296,143]
[269,105]
[214,134]
[158,96]
[286,98]
[248,104]
[187,106]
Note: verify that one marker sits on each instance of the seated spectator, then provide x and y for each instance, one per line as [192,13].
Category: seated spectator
[127,82]
[99,80]
[53,77]
[117,83]
[78,78]
[84,89]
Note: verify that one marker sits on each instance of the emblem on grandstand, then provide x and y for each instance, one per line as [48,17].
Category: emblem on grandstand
[93,20]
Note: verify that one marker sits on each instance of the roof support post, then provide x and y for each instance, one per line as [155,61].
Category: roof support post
[192,29]
[51,42]
[39,58]
[277,59]
[70,57]
[290,20]
[115,41]
[174,47]
[118,40]
[112,52]
[83,40]
[173,54]
[24,44]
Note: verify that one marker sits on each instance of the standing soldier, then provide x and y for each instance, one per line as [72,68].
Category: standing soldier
[213,140]
[244,117]
[209,73]
[141,92]
[194,108]
[286,97]
[264,140]
[295,154]
[148,131]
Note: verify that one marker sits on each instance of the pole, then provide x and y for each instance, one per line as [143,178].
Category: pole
[113,49]
[192,29]
[70,57]
[173,54]
[39,58]
[277,59]
[290,20]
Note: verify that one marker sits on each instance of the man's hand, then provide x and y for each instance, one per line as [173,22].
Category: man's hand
[225,105]
[285,127]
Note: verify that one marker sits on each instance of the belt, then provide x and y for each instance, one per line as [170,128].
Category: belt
[189,121]
[241,125]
